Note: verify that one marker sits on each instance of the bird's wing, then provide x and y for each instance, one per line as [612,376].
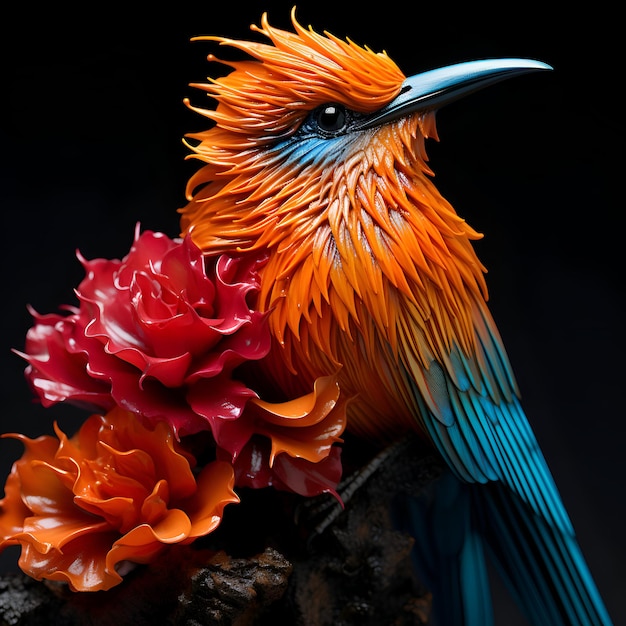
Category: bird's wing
[469,406]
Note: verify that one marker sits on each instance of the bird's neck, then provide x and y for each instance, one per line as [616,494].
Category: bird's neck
[351,243]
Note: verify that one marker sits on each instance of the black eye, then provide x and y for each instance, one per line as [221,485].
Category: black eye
[327,121]
[331,118]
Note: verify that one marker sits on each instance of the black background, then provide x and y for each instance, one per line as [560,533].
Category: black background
[90,136]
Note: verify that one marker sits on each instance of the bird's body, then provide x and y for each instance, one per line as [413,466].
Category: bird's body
[317,160]
[377,270]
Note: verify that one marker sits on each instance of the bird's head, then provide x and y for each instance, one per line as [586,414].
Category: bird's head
[303,118]
[283,117]
[316,155]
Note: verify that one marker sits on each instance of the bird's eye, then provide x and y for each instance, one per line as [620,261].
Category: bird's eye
[328,121]
[331,118]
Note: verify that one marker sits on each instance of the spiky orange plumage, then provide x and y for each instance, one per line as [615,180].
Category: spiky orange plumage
[371,274]
[348,238]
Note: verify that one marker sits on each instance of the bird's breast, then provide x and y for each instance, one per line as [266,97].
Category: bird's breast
[366,295]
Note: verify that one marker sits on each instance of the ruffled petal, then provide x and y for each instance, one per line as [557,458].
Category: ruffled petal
[54,532]
[215,490]
[306,427]
[12,510]
[58,363]
[305,410]
[116,491]
[173,527]
[221,405]
[310,479]
[253,469]
[153,332]
[82,564]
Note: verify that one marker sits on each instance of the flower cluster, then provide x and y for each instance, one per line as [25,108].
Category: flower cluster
[115,493]
[153,350]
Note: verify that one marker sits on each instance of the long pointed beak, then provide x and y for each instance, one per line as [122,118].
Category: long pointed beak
[435,88]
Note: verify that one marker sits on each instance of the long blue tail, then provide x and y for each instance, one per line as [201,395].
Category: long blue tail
[457,526]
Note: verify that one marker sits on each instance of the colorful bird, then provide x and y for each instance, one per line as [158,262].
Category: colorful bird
[317,158]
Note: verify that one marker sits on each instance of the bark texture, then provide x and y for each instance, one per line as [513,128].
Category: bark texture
[275,559]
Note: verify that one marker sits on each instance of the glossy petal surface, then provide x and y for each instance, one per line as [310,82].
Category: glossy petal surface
[291,445]
[116,491]
[158,333]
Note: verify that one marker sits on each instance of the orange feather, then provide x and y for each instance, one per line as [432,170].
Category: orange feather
[368,263]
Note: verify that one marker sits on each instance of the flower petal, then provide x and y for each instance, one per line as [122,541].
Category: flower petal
[116,491]
[253,469]
[306,427]
[174,527]
[215,490]
[306,410]
[310,479]
[12,510]
[82,564]
[57,363]
[53,532]
[159,333]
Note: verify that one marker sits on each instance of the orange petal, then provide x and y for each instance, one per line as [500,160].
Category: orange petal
[119,513]
[215,490]
[143,553]
[46,489]
[54,532]
[173,528]
[43,448]
[36,475]
[173,463]
[304,411]
[82,564]
[160,453]
[312,443]
[135,462]
[12,510]
[154,506]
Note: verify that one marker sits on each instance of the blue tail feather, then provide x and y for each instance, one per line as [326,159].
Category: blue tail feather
[449,556]
[542,565]
[456,526]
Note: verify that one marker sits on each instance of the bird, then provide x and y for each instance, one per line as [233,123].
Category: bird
[315,157]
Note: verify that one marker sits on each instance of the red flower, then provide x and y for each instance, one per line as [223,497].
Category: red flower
[115,493]
[158,333]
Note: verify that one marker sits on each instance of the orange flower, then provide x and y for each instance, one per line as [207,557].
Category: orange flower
[85,508]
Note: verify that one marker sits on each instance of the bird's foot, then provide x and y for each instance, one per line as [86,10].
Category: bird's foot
[403,466]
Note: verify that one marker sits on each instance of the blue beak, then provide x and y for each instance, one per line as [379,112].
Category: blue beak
[435,88]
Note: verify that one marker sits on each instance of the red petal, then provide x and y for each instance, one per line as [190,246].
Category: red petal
[310,479]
